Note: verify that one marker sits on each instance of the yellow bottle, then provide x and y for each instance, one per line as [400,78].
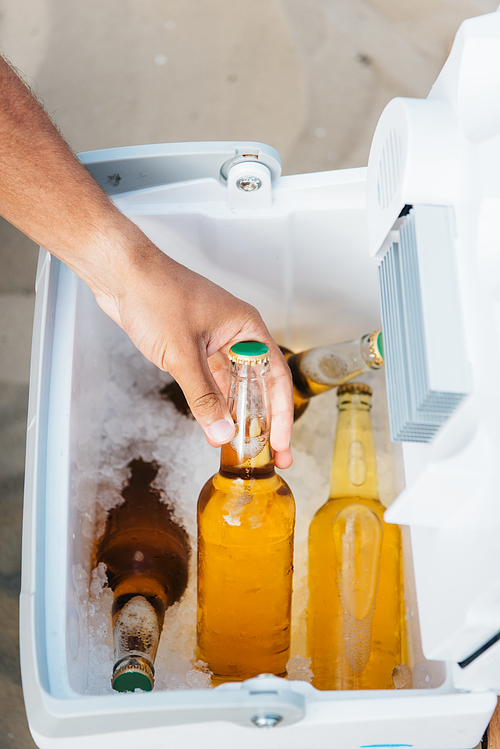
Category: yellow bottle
[320,369]
[354,627]
[246,516]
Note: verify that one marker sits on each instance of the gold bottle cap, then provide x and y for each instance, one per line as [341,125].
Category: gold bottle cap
[355,387]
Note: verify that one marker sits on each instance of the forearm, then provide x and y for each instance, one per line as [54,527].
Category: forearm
[49,195]
[178,319]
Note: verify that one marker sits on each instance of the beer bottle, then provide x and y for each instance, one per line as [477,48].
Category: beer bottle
[320,369]
[246,515]
[146,554]
[354,626]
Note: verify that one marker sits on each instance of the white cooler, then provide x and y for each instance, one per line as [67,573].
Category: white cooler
[416,235]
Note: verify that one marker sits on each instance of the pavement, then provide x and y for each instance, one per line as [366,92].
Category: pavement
[307,77]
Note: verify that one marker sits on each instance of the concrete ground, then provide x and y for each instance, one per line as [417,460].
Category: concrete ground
[309,77]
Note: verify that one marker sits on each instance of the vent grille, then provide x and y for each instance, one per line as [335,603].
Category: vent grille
[389,169]
[426,370]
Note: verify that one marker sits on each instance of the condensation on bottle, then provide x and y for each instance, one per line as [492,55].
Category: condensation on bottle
[355,629]
[146,554]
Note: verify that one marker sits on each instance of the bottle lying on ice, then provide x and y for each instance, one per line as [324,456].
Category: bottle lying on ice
[146,554]
[354,626]
[246,516]
[320,369]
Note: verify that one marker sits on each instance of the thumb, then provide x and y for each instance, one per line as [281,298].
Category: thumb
[206,401]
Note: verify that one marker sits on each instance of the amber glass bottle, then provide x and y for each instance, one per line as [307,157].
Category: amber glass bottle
[354,627]
[246,515]
[146,554]
[320,369]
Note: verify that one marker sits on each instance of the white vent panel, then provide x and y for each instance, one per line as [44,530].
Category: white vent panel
[426,369]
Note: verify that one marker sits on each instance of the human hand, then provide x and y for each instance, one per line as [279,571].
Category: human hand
[185,324]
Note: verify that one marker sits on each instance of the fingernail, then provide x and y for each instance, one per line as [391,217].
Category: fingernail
[221,431]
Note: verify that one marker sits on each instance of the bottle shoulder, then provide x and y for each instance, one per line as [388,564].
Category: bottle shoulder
[147,520]
[335,504]
[223,484]
[265,505]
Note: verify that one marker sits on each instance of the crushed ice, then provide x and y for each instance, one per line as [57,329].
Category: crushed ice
[140,423]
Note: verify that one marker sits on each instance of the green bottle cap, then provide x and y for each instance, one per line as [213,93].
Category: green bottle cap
[129,681]
[133,672]
[249,350]
[376,350]
[380,344]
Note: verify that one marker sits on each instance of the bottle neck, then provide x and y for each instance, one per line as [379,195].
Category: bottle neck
[372,349]
[354,466]
[136,633]
[249,454]
[316,370]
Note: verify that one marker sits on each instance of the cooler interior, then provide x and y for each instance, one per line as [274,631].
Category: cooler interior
[305,265]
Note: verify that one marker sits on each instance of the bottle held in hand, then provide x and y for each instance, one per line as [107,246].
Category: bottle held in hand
[246,515]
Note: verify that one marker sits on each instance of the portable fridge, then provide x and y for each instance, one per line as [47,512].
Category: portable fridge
[412,241]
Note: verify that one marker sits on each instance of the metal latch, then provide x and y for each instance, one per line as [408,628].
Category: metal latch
[264,702]
[249,187]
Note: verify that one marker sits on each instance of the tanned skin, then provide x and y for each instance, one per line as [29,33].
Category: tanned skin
[179,320]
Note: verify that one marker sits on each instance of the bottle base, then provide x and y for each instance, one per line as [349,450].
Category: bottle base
[217,679]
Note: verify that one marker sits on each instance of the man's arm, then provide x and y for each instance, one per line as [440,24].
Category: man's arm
[178,319]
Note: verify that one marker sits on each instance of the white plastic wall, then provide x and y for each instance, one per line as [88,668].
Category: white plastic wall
[304,263]
[445,151]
